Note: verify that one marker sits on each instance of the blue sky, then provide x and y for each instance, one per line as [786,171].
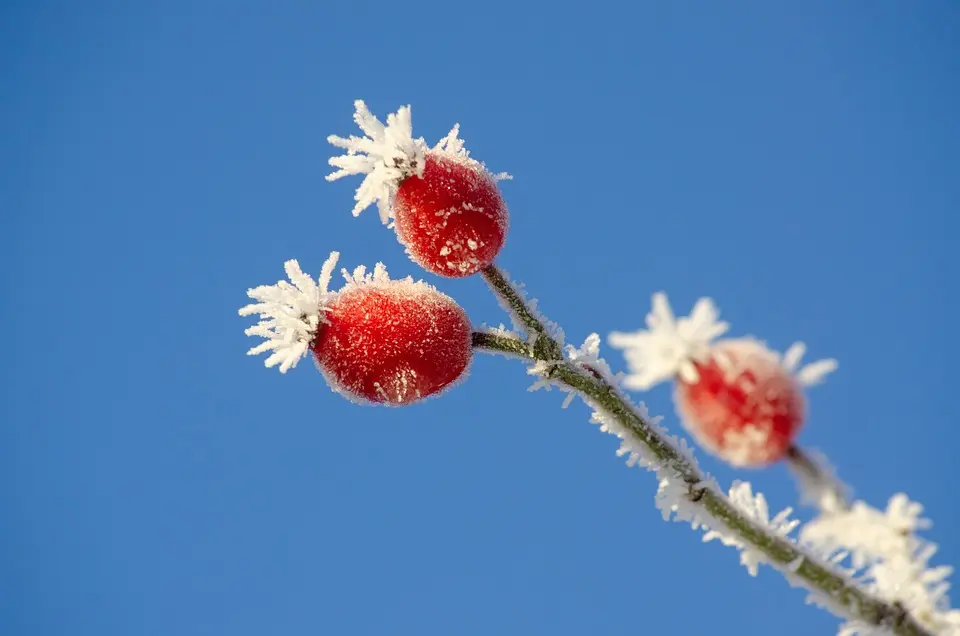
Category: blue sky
[795,161]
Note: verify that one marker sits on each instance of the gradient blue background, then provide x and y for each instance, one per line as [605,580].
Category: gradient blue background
[796,161]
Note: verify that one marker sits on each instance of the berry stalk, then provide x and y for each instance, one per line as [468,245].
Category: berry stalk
[816,482]
[545,345]
[832,589]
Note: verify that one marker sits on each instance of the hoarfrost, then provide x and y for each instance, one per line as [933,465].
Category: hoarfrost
[388,154]
[810,374]
[289,313]
[755,508]
[668,346]
[891,561]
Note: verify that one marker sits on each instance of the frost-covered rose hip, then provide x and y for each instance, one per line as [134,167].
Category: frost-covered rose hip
[445,206]
[452,218]
[375,340]
[743,406]
[393,341]
[738,398]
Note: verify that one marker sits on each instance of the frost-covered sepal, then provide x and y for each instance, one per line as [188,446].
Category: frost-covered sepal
[290,313]
[387,155]
[811,373]
[669,346]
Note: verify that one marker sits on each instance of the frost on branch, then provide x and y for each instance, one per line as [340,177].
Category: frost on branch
[389,154]
[669,346]
[755,508]
[289,313]
[677,490]
[890,559]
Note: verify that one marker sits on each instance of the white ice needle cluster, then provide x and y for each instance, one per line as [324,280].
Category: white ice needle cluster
[669,346]
[755,508]
[387,155]
[290,313]
[892,561]
[809,374]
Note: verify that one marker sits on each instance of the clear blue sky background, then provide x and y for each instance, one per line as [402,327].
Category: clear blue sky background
[796,161]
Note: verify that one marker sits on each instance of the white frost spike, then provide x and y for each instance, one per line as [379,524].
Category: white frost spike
[360,276]
[386,155]
[755,508]
[809,374]
[289,314]
[669,346]
[892,561]
[452,146]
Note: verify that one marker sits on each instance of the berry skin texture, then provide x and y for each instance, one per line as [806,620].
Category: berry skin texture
[452,220]
[392,344]
[744,407]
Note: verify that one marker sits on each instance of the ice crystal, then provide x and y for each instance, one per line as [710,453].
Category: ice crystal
[810,374]
[453,147]
[289,313]
[892,561]
[753,507]
[669,346]
[388,154]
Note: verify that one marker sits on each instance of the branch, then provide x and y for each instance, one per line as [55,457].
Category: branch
[832,589]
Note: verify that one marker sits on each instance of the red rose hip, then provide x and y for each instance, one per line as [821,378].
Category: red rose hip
[376,340]
[452,219]
[743,406]
[393,343]
[445,206]
[738,398]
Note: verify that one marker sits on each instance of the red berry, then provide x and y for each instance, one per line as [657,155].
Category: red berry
[451,219]
[393,342]
[744,406]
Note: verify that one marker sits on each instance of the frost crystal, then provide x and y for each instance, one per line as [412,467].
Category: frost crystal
[387,155]
[755,508]
[289,314]
[809,374]
[891,559]
[669,346]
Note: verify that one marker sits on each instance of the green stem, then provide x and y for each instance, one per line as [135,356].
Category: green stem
[788,557]
[513,301]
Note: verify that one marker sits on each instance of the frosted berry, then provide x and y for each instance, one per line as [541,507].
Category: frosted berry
[739,399]
[445,206]
[375,340]
[743,406]
[452,219]
[393,343]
